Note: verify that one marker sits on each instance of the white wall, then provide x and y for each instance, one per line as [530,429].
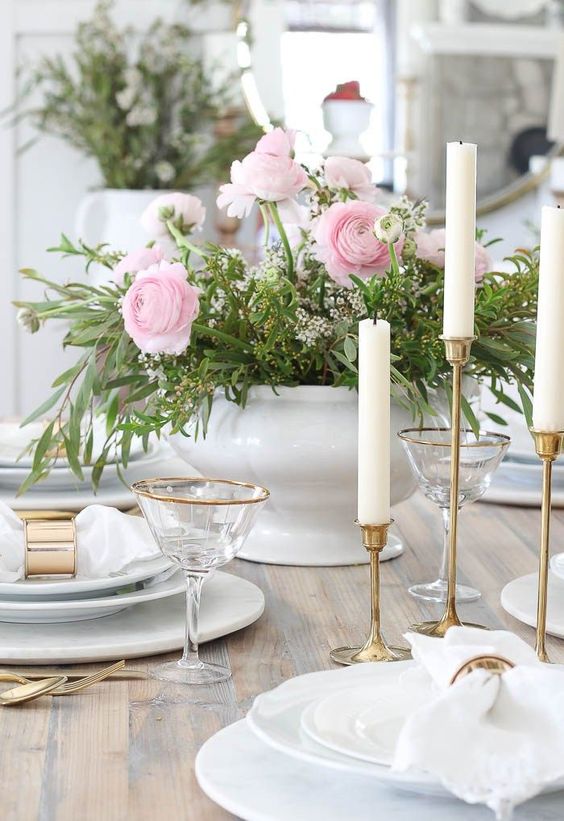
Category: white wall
[40,189]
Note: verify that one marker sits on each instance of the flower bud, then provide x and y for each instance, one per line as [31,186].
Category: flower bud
[28,320]
[388,229]
[409,249]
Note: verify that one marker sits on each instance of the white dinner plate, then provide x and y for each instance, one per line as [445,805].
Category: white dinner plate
[14,440]
[275,718]
[519,599]
[32,611]
[365,722]
[67,588]
[228,604]
[254,782]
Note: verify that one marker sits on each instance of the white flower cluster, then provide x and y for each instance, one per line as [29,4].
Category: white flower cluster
[311,328]
[135,99]
[412,214]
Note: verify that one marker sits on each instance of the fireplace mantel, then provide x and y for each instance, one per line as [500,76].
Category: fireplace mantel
[487,39]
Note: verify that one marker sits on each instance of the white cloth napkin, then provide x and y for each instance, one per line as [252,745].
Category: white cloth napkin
[489,739]
[108,543]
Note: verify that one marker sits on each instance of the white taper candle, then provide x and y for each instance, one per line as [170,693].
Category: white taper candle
[373,422]
[548,401]
[460,240]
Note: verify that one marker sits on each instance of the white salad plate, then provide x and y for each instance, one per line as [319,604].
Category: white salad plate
[255,782]
[276,719]
[40,611]
[519,599]
[365,722]
[228,604]
[68,588]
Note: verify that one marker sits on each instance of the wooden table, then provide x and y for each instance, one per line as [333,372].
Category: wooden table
[126,749]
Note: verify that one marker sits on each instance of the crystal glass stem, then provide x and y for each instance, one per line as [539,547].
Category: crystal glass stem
[194,582]
[443,572]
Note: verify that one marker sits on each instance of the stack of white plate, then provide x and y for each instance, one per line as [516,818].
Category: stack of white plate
[61,489]
[518,480]
[320,746]
[48,601]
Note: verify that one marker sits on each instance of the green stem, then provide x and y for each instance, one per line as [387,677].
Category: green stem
[393,258]
[264,213]
[284,237]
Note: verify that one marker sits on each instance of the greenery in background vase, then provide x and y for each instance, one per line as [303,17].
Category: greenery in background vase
[289,320]
[143,107]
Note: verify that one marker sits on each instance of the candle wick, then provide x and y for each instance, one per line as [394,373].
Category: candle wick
[375,317]
[460,141]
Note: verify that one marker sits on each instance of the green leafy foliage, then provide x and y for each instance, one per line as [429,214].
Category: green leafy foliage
[146,110]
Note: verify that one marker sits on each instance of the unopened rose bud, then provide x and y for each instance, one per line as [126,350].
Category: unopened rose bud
[28,320]
[388,229]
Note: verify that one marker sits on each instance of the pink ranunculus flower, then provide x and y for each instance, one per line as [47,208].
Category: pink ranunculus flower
[185,210]
[431,248]
[138,260]
[278,142]
[345,241]
[268,177]
[159,308]
[355,176]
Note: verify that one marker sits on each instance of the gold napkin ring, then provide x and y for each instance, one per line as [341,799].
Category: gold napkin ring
[493,664]
[50,547]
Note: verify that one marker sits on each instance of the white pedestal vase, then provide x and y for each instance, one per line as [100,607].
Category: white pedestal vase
[302,445]
[346,120]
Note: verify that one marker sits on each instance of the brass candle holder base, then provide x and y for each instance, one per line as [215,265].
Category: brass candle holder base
[548,446]
[439,628]
[457,350]
[374,539]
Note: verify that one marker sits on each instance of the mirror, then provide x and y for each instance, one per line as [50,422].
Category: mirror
[391,81]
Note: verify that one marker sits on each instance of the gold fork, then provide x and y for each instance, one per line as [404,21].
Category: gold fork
[71,686]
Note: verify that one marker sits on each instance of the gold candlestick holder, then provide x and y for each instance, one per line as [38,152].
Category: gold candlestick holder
[548,447]
[374,539]
[457,354]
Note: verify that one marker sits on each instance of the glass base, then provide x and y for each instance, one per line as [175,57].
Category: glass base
[437,591]
[181,673]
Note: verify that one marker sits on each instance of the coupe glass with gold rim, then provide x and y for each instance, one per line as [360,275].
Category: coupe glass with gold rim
[428,451]
[199,524]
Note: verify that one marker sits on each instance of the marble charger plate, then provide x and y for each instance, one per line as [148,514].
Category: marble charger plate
[255,782]
[519,599]
[229,603]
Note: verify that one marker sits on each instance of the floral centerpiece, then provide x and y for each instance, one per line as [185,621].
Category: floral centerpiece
[168,339]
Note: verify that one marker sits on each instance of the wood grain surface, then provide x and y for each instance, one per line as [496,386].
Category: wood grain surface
[125,749]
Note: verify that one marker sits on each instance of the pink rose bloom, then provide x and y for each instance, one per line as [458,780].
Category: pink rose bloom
[185,210]
[138,260]
[346,243]
[431,248]
[278,142]
[355,176]
[483,264]
[159,308]
[268,177]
